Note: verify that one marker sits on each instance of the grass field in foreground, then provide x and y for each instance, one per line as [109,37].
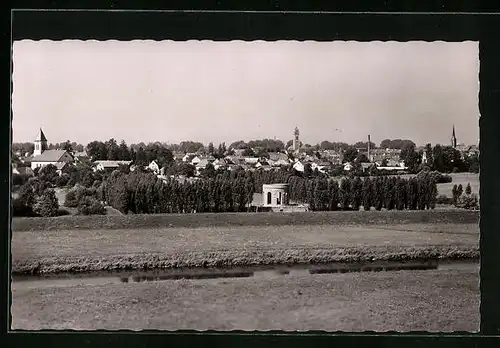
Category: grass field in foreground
[87,250]
[388,301]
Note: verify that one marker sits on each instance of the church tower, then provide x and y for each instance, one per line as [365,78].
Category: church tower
[40,143]
[296,142]
[453,138]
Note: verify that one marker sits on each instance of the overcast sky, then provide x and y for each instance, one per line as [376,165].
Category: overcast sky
[226,91]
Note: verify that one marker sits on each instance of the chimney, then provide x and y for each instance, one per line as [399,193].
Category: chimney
[369,148]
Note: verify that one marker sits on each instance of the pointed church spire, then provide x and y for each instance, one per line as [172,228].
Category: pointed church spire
[453,138]
[41,136]
[40,143]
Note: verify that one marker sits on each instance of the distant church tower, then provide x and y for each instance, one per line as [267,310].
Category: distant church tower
[453,138]
[40,143]
[296,142]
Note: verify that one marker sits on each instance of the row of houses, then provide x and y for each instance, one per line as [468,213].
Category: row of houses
[61,159]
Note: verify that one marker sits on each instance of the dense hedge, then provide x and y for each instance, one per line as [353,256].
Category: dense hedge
[144,193]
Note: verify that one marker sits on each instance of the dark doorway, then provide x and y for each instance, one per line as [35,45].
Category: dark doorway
[269,198]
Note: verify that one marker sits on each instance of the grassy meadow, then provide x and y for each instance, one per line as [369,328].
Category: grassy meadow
[457,178]
[460,178]
[437,301]
[397,235]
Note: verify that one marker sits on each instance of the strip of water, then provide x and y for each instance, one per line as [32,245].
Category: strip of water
[120,277]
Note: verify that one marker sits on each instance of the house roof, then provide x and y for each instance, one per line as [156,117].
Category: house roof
[275,156]
[60,165]
[202,163]
[49,156]
[112,164]
[282,162]
[251,160]
[41,136]
[324,164]
[80,154]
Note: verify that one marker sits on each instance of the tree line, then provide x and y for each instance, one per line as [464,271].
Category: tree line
[142,156]
[144,193]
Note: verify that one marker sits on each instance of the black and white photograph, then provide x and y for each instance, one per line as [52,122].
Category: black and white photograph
[245,185]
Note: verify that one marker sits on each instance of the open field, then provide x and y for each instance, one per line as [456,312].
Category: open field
[457,178]
[106,249]
[337,218]
[460,178]
[397,301]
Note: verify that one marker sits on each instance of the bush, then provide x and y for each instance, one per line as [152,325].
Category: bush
[469,201]
[468,189]
[48,173]
[443,199]
[443,178]
[62,180]
[71,201]
[90,206]
[19,179]
[75,195]
[62,212]
[19,209]
[438,177]
[47,204]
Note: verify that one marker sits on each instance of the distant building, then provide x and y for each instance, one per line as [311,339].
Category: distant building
[154,167]
[453,138]
[80,156]
[109,165]
[251,160]
[277,156]
[188,157]
[27,171]
[195,160]
[424,157]
[220,164]
[348,166]
[298,166]
[42,156]
[296,141]
[275,195]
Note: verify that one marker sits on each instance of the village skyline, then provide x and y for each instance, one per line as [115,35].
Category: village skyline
[144,91]
[376,142]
